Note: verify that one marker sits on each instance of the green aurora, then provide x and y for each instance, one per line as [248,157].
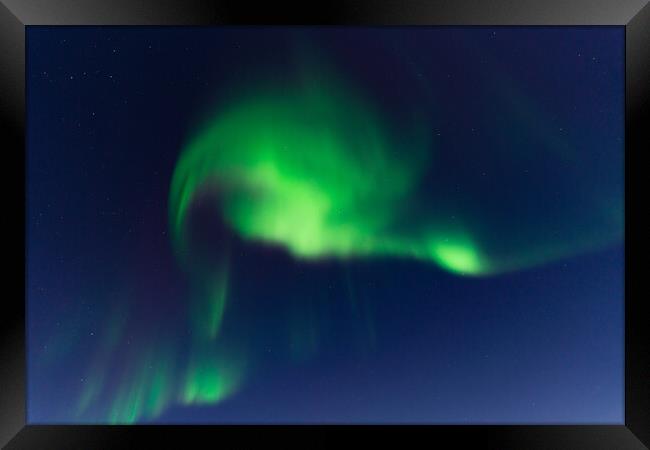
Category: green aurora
[321,171]
[332,167]
[313,170]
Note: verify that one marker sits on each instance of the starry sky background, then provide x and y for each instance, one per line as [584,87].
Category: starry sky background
[373,340]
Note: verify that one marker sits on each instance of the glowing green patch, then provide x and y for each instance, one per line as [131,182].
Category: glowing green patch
[458,258]
[209,382]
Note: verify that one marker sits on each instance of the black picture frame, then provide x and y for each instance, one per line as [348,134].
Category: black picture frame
[15,15]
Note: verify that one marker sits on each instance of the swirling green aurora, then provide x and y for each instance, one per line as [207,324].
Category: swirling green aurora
[319,171]
[307,222]
[313,171]
[317,168]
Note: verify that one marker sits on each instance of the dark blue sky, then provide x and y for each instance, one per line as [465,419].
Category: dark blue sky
[371,340]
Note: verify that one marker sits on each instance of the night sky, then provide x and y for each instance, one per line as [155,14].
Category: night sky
[339,225]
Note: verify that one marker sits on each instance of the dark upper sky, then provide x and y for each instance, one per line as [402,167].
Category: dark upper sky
[525,126]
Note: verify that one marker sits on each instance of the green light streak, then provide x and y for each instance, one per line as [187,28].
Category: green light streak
[217,303]
[209,305]
[146,389]
[210,380]
[95,380]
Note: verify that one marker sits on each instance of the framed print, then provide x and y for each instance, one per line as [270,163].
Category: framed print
[269,221]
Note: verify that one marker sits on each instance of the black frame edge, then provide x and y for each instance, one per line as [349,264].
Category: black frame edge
[637,142]
[12,332]
[341,12]
[501,437]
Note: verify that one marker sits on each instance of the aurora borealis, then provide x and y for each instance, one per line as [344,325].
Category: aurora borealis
[312,167]
[295,225]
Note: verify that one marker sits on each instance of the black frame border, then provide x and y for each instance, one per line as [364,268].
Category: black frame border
[15,15]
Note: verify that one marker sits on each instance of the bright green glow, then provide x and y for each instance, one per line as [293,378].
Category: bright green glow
[310,170]
[210,380]
[317,169]
[457,259]
[313,170]
[457,256]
